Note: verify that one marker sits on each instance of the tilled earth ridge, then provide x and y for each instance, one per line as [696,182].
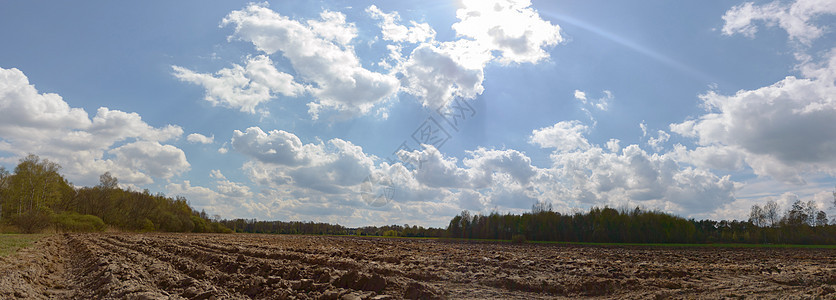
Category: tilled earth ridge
[206,266]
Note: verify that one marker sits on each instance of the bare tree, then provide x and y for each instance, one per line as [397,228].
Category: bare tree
[4,182]
[107,181]
[541,206]
[834,196]
[756,216]
[821,218]
[810,211]
[770,212]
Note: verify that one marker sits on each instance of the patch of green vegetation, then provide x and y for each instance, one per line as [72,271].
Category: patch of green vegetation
[11,243]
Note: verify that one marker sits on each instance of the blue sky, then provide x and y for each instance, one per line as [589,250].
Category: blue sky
[364,113]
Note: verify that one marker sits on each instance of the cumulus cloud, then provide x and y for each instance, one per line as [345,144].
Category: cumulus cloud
[563,136]
[634,177]
[435,170]
[436,77]
[783,130]
[334,174]
[246,87]
[276,147]
[199,138]
[796,18]
[714,157]
[44,124]
[580,95]
[656,143]
[229,202]
[392,31]
[614,145]
[158,160]
[280,158]
[320,53]
[436,72]
[488,163]
[512,28]
[325,65]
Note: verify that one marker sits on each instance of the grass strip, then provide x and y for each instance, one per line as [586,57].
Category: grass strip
[11,243]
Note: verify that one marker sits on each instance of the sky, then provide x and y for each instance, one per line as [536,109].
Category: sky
[408,112]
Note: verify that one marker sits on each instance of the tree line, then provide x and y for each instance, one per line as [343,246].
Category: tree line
[281,227]
[36,196]
[314,228]
[802,223]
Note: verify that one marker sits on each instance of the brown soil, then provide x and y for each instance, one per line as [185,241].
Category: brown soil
[203,266]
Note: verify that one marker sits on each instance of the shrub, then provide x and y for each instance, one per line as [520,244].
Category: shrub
[147,225]
[518,239]
[199,224]
[218,227]
[33,221]
[74,222]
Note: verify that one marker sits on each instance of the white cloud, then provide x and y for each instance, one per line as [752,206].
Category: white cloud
[199,138]
[563,136]
[114,125]
[392,31]
[158,160]
[488,163]
[784,130]
[320,53]
[276,147]
[635,177]
[435,170]
[329,177]
[580,95]
[333,28]
[233,189]
[44,124]
[436,77]
[228,205]
[512,28]
[795,18]
[602,103]
[280,158]
[656,143]
[325,65]
[614,145]
[713,157]
[437,72]
[243,88]
[216,174]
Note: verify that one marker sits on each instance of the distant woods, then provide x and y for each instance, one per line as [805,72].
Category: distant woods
[37,196]
[314,228]
[802,223]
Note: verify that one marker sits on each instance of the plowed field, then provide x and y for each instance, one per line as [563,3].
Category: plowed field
[202,266]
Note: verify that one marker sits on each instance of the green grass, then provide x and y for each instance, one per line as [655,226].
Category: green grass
[10,243]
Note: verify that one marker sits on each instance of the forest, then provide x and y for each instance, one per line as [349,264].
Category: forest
[36,196]
[297,227]
[802,223]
